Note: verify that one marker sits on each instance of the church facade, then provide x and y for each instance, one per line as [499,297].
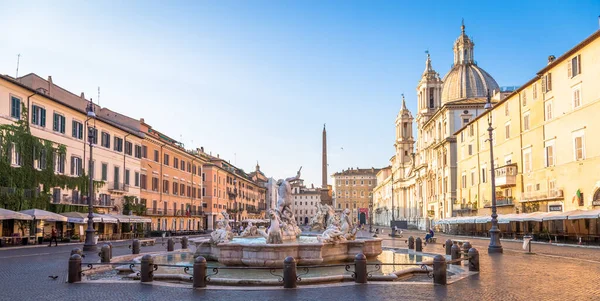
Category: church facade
[423,178]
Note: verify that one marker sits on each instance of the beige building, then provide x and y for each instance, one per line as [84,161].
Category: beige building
[58,115]
[305,201]
[545,156]
[352,190]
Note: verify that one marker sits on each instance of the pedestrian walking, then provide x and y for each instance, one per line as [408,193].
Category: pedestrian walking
[53,237]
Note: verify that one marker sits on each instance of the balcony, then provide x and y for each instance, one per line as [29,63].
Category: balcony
[171,212]
[542,195]
[506,176]
[500,201]
[117,187]
[464,207]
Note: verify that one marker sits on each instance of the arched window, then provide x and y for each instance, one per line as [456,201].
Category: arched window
[596,199]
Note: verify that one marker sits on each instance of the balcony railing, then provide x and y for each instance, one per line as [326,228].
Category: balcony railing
[501,201]
[542,195]
[171,212]
[464,207]
[117,187]
[506,175]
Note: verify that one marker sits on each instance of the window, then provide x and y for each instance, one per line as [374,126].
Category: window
[579,145]
[41,162]
[166,159]
[15,158]
[59,163]
[138,151]
[136,179]
[154,184]
[175,162]
[76,166]
[464,180]
[431,90]
[574,66]
[128,148]
[126,176]
[547,83]
[203,191]
[577,97]
[465,121]
[524,98]
[144,182]
[507,130]
[471,130]
[182,189]
[104,171]
[462,136]
[548,110]
[105,140]
[534,90]
[77,129]
[15,107]
[527,164]
[472,177]
[506,109]
[526,121]
[94,134]
[549,153]
[508,159]
[118,144]
[59,123]
[484,174]
[175,186]
[144,152]
[38,116]
[155,155]
[189,168]
[470,149]
[165,186]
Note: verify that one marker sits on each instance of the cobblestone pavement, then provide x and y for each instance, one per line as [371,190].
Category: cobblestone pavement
[510,276]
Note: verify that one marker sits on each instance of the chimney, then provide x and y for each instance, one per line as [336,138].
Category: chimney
[218,156]
[551,59]
[202,148]
[82,96]
[142,120]
[50,84]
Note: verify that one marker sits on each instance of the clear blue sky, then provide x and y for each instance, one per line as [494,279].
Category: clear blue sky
[256,80]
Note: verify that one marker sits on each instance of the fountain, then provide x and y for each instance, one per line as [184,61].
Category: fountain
[284,238]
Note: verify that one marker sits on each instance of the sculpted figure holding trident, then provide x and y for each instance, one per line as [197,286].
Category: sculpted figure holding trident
[284,192]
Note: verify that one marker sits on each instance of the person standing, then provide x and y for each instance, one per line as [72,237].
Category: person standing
[53,237]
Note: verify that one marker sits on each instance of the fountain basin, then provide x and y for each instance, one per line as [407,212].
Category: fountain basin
[272,255]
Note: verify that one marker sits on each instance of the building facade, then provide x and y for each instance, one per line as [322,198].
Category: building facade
[171,183]
[305,201]
[352,190]
[230,189]
[545,156]
[57,115]
[424,179]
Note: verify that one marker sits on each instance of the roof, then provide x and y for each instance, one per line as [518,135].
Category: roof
[465,81]
[371,170]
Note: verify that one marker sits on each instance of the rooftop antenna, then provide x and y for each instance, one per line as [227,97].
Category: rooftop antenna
[98,95]
[19,58]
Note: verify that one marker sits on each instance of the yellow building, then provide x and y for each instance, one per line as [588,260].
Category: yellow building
[352,189]
[545,156]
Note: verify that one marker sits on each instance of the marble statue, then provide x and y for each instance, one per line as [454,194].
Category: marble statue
[347,228]
[284,195]
[332,218]
[223,233]
[251,230]
[332,234]
[273,234]
[317,222]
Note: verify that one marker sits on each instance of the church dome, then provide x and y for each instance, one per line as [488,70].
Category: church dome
[466,79]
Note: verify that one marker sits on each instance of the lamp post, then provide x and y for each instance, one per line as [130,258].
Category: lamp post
[495,245]
[392,224]
[370,212]
[90,243]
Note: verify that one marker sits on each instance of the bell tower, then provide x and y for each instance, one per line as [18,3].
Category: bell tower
[429,90]
[404,135]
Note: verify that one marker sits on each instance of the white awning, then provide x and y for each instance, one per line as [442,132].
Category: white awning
[9,214]
[507,218]
[107,219]
[582,214]
[80,218]
[44,215]
[483,219]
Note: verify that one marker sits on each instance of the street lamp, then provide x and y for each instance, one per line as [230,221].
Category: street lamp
[370,212]
[90,243]
[495,245]
[392,224]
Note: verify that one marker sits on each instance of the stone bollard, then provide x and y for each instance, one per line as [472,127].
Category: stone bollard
[184,242]
[473,260]
[455,253]
[439,270]
[110,249]
[147,272]
[448,246]
[289,272]
[104,253]
[74,268]
[465,249]
[411,243]
[360,268]
[170,245]
[199,272]
[418,245]
[135,247]
[78,252]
